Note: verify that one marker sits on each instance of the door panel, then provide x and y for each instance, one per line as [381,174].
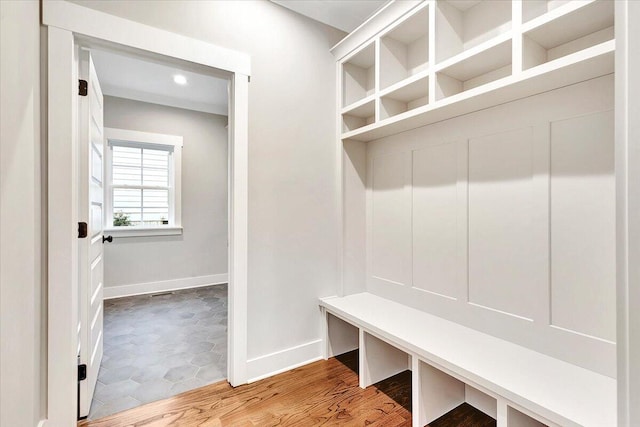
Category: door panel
[91,211]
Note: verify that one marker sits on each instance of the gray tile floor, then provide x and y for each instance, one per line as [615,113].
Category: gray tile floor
[158,346]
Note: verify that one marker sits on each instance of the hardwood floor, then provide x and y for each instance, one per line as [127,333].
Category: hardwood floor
[464,415]
[324,393]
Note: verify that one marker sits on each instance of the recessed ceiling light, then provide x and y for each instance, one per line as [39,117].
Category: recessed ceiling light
[180,79]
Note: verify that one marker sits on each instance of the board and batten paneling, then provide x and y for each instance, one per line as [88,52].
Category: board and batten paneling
[503,220]
[506,270]
[582,224]
[390,215]
[437,187]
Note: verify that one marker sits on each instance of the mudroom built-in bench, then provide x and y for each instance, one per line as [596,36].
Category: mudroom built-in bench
[452,364]
[475,158]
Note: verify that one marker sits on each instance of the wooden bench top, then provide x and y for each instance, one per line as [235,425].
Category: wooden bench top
[559,391]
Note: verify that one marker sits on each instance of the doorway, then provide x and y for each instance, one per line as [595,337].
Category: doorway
[161,156]
[67,31]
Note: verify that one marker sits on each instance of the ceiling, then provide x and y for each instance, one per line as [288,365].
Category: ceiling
[130,77]
[345,15]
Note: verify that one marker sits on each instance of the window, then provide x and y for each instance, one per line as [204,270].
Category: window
[142,193]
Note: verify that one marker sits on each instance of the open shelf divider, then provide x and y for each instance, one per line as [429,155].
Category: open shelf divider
[379,360]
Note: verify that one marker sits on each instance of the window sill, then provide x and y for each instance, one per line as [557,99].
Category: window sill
[143,232]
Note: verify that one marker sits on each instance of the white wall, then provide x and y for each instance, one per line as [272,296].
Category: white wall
[293,225]
[504,220]
[202,248]
[21,308]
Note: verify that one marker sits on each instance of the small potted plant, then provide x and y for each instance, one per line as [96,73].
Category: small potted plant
[120,219]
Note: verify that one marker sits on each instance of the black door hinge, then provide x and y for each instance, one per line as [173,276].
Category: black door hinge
[83,87]
[82,372]
[82,230]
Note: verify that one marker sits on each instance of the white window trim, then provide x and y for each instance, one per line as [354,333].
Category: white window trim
[175,175]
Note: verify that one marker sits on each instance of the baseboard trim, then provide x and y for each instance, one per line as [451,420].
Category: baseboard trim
[281,361]
[120,291]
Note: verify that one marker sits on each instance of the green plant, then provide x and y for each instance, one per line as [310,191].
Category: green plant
[121,219]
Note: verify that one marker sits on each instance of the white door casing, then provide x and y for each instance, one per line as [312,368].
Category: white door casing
[66,24]
[90,211]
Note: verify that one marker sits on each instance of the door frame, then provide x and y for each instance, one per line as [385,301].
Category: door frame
[68,26]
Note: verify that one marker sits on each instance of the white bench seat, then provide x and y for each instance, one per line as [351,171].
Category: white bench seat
[557,391]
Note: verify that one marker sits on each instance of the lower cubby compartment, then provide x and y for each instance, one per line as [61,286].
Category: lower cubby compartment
[342,337]
[380,360]
[443,400]
[516,418]
[409,386]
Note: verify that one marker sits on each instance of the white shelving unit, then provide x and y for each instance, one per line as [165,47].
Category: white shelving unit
[426,62]
[445,58]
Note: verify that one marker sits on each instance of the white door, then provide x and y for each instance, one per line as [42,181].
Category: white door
[90,202]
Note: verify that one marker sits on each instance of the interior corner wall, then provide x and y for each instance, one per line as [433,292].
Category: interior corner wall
[22,351]
[293,212]
[201,251]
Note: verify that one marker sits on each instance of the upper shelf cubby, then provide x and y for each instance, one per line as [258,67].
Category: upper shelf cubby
[533,8]
[404,50]
[487,66]
[464,24]
[442,58]
[358,76]
[569,29]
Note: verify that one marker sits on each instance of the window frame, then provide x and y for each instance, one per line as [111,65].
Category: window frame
[150,140]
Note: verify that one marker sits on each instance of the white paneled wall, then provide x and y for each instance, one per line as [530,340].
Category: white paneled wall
[508,190]
[583,252]
[502,220]
[436,225]
[390,215]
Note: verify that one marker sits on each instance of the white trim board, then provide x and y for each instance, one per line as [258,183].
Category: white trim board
[119,291]
[88,22]
[284,360]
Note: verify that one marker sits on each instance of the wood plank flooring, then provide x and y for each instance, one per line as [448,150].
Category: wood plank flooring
[464,415]
[323,393]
